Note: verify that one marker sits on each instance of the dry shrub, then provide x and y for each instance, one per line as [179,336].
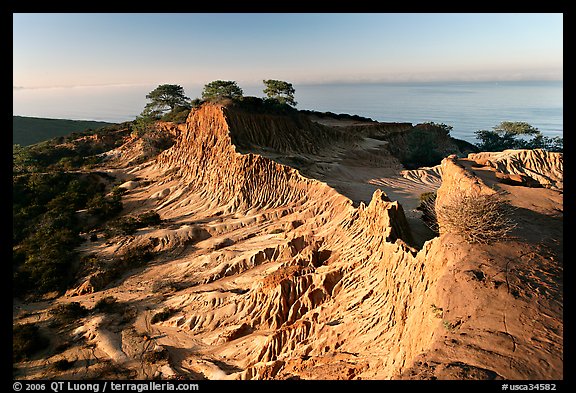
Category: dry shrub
[156,355]
[478,218]
[67,313]
[108,304]
[163,315]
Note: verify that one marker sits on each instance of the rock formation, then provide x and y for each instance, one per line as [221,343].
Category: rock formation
[545,168]
[312,271]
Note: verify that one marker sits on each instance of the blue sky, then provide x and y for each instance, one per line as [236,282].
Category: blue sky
[55,50]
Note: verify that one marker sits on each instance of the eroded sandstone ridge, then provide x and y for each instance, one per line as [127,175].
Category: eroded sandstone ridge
[289,249]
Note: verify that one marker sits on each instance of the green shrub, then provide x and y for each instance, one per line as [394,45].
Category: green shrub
[143,124]
[103,206]
[422,149]
[128,225]
[46,227]
[117,190]
[109,271]
[513,135]
[135,257]
[340,116]
[62,153]
[196,102]
[178,115]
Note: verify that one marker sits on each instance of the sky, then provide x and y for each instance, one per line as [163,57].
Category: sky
[90,49]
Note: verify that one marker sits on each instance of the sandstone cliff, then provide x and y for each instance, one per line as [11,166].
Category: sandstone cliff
[546,168]
[264,272]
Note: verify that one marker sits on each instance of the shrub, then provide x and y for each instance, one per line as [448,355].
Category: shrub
[128,225]
[111,305]
[118,191]
[46,227]
[149,218]
[478,218]
[45,203]
[422,149]
[196,102]
[105,272]
[178,115]
[163,315]
[27,340]
[62,365]
[514,135]
[67,313]
[439,126]
[427,207]
[108,304]
[48,261]
[104,207]
[156,355]
[136,256]
[144,123]
[339,116]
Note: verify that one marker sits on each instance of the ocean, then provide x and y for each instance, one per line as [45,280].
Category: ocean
[466,106]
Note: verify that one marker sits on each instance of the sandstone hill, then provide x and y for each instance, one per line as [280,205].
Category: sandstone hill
[290,247]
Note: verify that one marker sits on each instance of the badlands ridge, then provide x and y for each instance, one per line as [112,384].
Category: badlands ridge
[290,247]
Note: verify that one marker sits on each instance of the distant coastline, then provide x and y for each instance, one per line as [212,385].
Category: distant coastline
[466,106]
[30,130]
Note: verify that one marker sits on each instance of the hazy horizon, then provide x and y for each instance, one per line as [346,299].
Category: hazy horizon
[468,106]
[310,83]
[94,66]
[90,49]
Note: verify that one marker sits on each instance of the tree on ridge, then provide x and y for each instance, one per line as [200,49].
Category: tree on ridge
[512,135]
[280,91]
[219,89]
[167,102]
[165,98]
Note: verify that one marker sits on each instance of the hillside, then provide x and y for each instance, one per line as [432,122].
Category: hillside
[289,247]
[29,130]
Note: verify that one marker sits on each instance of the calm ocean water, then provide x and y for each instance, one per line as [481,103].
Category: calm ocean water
[466,106]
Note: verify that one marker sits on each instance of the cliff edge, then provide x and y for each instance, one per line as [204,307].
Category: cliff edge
[315,270]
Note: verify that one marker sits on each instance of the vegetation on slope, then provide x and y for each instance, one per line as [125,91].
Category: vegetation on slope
[58,196]
[29,130]
[166,103]
[46,228]
[516,135]
[51,181]
[27,340]
[73,151]
[337,116]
